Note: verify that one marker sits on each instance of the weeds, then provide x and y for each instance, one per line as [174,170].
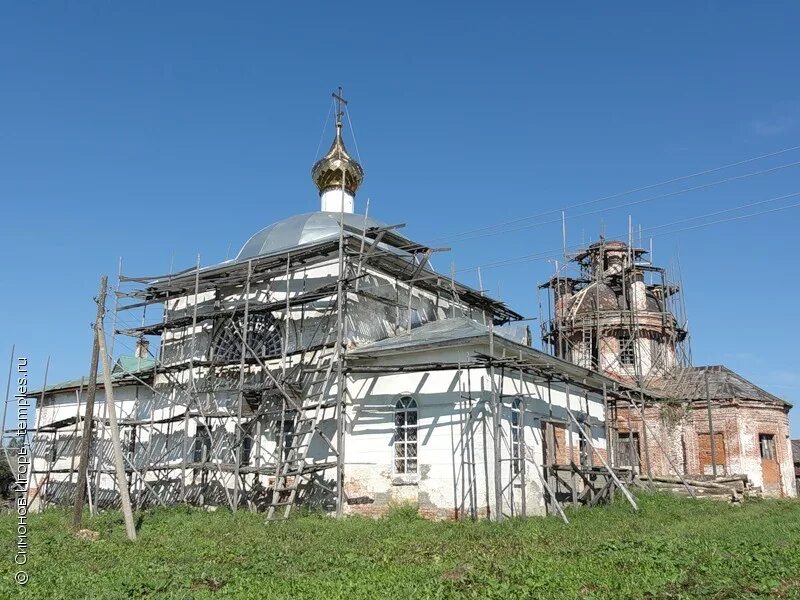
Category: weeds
[672,548]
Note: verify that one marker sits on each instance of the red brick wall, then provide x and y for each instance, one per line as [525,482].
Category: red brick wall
[676,433]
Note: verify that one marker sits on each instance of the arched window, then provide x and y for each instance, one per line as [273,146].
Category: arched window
[516,435]
[405,435]
[263,336]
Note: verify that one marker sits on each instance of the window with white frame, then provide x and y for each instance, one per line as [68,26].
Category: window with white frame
[405,435]
[516,435]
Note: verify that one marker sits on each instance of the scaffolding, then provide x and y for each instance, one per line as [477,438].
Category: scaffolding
[249,373]
[611,309]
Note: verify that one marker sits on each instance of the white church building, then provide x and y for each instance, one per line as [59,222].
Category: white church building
[329,365]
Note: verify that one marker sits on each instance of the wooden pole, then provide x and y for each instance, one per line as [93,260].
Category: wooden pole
[644,437]
[119,461]
[5,405]
[711,427]
[573,475]
[606,416]
[496,433]
[341,409]
[523,454]
[86,439]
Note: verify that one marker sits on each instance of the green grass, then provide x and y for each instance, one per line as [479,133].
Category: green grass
[672,548]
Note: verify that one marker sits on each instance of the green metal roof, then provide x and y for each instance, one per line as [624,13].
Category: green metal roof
[125,366]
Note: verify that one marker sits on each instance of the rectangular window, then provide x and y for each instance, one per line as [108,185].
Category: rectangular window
[247,449]
[51,451]
[516,435]
[202,444]
[129,442]
[627,354]
[766,442]
[285,437]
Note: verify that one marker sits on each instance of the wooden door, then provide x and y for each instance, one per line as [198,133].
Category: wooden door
[769,462]
[627,452]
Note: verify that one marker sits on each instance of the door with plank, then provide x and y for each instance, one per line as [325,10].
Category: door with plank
[770,471]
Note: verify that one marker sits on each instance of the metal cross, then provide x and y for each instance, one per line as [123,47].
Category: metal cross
[339,97]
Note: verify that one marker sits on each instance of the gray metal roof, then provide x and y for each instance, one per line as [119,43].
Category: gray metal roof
[303,229]
[723,384]
[459,330]
[121,371]
[429,334]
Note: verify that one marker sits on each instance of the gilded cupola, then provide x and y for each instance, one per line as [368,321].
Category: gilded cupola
[328,171]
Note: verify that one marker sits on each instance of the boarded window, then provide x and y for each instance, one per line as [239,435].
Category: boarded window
[555,447]
[405,435]
[705,453]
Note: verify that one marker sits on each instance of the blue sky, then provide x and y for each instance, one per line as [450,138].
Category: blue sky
[157,133]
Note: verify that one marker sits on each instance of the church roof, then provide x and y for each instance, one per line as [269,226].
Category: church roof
[689,383]
[303,229]
[121,371]
[430,334]
[458,331]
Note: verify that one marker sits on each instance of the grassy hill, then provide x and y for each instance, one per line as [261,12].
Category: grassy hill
[672,548]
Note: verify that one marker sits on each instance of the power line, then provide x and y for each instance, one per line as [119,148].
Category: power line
[627,204]
[546,254]
[719,212]
[628,192]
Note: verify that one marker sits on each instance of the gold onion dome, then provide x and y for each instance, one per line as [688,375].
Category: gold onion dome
[327,171]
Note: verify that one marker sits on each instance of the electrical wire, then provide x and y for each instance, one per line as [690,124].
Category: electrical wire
[628,192]
[631,203]
[550,253]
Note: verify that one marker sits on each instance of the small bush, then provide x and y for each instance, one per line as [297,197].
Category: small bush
[403,511]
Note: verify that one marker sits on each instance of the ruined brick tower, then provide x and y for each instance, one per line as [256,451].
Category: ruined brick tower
[619,315]
[613,311]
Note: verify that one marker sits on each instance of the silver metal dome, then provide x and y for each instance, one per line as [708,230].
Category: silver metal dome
[302,229]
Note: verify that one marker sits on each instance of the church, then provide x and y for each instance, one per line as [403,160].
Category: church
[329,366]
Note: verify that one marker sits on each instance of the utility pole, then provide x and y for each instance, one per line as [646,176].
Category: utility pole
[711,427]
[86,439]
[119,461]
